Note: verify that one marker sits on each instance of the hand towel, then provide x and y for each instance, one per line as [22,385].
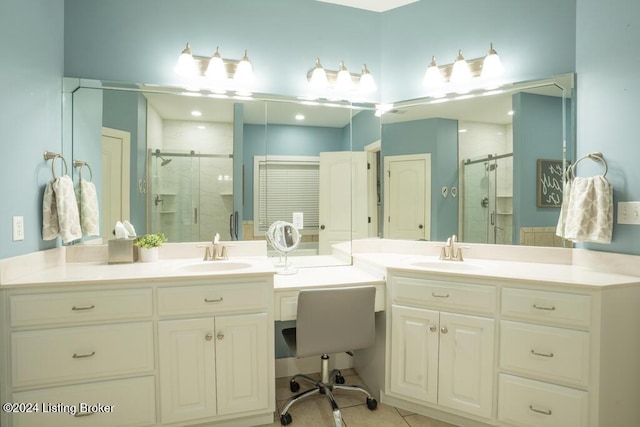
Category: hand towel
[50,227]
[59,202]
[586,214]
[88,207]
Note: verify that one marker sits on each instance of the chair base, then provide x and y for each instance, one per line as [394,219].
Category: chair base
[329,381]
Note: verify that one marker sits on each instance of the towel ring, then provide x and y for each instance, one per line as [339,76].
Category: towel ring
[48,155]
[597,157]
[80,164]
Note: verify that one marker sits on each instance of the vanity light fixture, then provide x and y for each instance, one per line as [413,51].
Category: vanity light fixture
[463,72]
[215,70]
[341,80]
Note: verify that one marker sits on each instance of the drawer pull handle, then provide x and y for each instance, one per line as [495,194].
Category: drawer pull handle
[83,414]
[213,300]
[542,307]
[433,294]
[82,356]
[91,307]
[535,353]
[540,411]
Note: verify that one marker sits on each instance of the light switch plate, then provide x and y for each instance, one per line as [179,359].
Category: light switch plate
[18,228]
[628,212]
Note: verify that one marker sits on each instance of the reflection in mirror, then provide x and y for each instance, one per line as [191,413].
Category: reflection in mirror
[479,152]
[284,238]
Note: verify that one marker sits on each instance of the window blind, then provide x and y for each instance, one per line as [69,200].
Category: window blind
[285,187]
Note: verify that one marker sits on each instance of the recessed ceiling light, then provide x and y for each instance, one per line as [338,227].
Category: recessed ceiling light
[299,116]
[196,113]
[201,127]
[510,113]
[462,130]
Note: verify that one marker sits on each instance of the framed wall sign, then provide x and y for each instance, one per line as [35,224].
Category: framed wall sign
[549,183]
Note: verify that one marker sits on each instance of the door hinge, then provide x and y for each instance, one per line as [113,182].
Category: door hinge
[369,220]
[368,165]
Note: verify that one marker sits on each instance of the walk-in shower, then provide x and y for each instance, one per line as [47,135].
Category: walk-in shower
[487,199]
[190,197]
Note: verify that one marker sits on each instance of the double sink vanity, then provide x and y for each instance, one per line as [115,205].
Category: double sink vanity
[511,336]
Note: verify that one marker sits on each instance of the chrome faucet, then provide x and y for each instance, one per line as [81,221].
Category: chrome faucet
[450,252]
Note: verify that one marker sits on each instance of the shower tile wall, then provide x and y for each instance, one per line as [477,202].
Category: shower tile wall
[214,174]
[479,140]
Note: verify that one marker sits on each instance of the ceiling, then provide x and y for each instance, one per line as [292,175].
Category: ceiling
[372,5]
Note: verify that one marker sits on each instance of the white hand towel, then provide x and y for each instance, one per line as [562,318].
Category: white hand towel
[587,211]
[88,206]
[67,209]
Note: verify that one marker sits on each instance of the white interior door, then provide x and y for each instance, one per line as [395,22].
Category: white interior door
[408,196]
[359,184]
[335,199]
[116,160]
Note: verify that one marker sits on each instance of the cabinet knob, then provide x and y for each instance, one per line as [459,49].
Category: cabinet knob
[444,330]
[208,337]
[433,328]
[220,335]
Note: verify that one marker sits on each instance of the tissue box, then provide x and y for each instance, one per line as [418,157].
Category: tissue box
[122,251]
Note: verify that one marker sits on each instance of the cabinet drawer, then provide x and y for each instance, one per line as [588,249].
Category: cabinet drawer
[436,294]
[524,402]
[556,307]
[213,298]
[82,306]
[56,355]
[546,352]
[129,402]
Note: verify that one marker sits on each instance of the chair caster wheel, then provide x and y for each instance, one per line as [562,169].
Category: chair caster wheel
[339,379]
[293,386]
[372,403]
[285,419]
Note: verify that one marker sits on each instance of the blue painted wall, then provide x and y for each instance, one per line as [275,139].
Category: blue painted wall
[537,134]
[608,90]
[366,129]
[440,138]
[32,49]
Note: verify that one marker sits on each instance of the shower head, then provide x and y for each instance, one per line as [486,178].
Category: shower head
[164,161]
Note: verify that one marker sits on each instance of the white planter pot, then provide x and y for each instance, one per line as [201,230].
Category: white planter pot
[148,255]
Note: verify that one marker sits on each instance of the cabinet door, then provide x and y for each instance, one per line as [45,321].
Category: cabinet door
[242,363]
[466,363]
[414,353]
[187,369]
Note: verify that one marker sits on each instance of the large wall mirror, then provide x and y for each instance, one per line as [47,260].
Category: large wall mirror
[192,166]
[469,164]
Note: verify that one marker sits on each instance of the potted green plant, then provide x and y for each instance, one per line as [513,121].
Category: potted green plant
[148,245]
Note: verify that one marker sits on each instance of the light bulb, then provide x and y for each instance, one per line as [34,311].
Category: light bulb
[185,66]
[367,83]
[216,70]
[343,81]
[492,65]
[433,76]
[461,73]
[244,71]
[318,78]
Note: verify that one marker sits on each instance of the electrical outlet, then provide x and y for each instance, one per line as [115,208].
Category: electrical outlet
[629,213]
[18,228]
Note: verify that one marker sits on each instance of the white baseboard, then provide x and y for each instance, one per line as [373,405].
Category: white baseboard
[290,366]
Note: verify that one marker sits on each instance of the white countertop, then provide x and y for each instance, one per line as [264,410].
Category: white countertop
[489,269]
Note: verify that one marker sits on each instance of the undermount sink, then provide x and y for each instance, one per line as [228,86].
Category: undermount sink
[447,265]
[213,266]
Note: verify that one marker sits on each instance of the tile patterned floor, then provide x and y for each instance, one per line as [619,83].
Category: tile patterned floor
[316,412]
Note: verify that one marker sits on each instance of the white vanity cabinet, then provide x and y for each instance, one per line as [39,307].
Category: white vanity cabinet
[217,359]
[440,344]
[175,351]
[67,348]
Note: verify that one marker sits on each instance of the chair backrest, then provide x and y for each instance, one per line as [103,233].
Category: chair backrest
[335,320]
